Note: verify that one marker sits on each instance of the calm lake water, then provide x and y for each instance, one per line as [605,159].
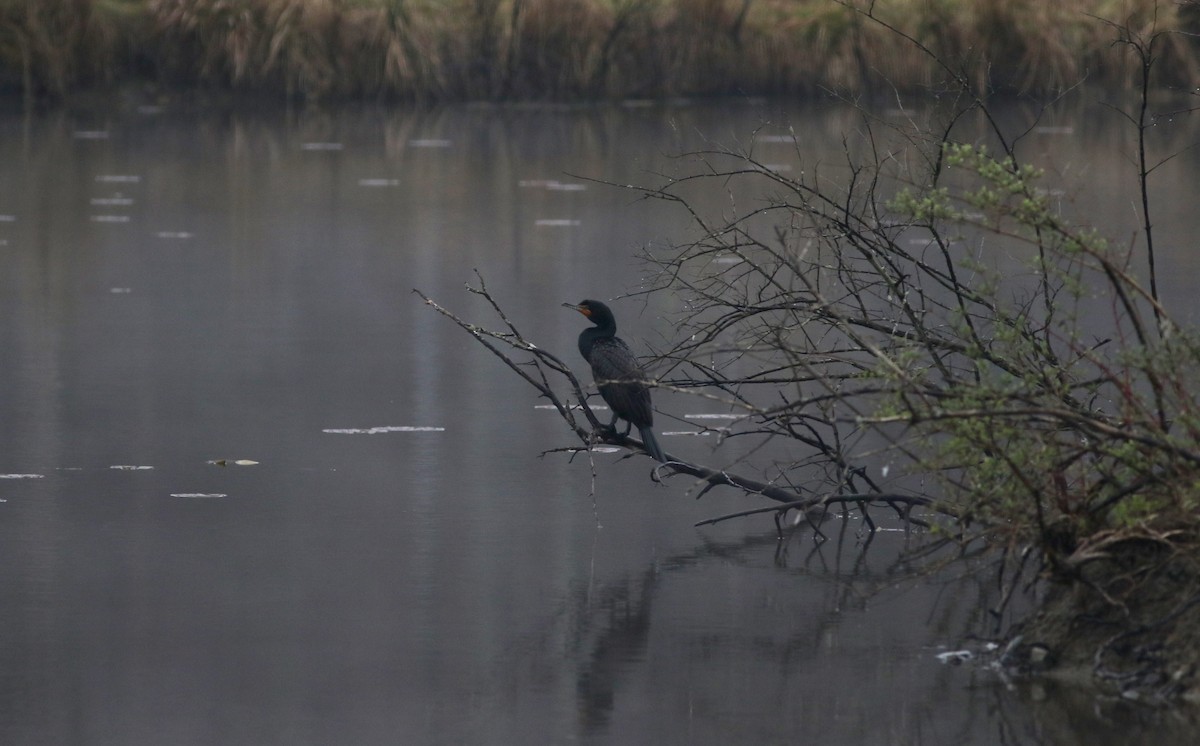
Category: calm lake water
[399,563]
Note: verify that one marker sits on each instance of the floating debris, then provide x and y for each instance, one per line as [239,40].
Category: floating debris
[129,467]
[595,407]
[955,656]
[557,223]
[697,433]
[116,200]
[239,462]
[118,178]
[383,429]
[551,184]
[22,476]
[322,146]
[706,416]
[199,494]
[378,182]
[429,143]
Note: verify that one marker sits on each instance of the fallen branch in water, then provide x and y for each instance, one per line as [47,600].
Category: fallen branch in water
[541,367]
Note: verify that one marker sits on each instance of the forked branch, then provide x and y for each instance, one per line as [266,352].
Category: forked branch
[544,371]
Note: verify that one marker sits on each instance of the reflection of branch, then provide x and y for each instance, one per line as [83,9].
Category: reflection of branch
[607,626]
[541,366]
[901,503]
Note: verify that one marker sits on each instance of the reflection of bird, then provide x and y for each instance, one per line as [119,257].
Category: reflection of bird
[621,381]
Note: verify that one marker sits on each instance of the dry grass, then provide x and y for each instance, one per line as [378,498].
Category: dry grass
[578,48]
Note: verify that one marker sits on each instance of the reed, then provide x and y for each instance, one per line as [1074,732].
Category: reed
[536,49]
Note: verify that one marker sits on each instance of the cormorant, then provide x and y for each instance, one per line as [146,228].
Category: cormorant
[618,376]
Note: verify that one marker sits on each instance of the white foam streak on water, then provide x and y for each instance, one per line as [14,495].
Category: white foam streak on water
[174,234]
[199,494]
[552,185]
[382,429]
[110,218]
[22,476]
[557,222]
[379,182]
[118,178]
[429,143]
[714,416]
[699,433]
[130,467]
[322,146]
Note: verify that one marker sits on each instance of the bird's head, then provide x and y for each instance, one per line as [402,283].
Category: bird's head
[594,310]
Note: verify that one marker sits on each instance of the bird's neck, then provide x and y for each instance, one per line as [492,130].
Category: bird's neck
[593,334]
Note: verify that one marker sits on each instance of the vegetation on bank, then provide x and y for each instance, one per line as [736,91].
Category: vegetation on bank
[564,49]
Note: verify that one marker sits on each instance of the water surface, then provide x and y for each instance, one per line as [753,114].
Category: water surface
[395,561]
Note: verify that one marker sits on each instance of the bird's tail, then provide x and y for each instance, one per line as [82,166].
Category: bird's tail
[651,444]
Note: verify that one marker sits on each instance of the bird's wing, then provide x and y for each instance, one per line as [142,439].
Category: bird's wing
[619,378]
[612,360]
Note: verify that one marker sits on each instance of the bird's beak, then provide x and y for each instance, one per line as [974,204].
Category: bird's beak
[576,307]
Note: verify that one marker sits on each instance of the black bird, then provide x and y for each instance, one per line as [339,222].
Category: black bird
[621,381]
